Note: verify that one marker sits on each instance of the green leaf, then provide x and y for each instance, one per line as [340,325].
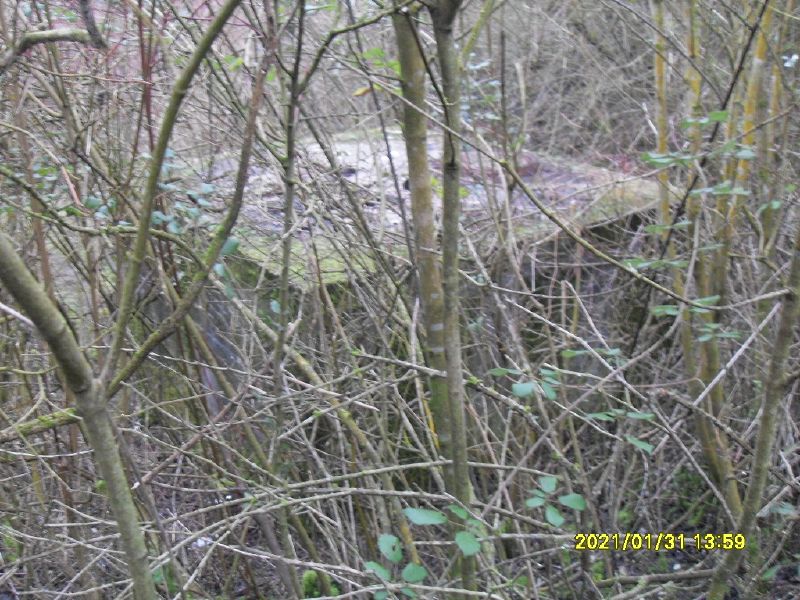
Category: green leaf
[233,62]
[275,306]
[501,371]
[770,573]
[642,445]
[718,116]
[408,592]
[458,511]
[424,516]
[640,415]
[92,202]
[547,390]
[378,569]
[382,595]
[772,205]
[553,516]
[610,351]
[663,310]
[373,53]
[573,501]
[784,508]
[572,353]
[548,483]
[707,301]
[157,218]
[219,269]
[523,390]
[666,160]
[414,573]
[393,66]
[745,153]
[637,263]
[600,416]
[467,543]
[390,547]
[158,576]
[230,246]
[657,159]
[521,581]
[536,500]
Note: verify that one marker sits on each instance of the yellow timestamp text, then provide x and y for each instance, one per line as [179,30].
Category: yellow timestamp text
[655,542]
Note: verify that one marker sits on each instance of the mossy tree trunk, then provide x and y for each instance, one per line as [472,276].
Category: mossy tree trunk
[438,280]
[91,406]
[443,14]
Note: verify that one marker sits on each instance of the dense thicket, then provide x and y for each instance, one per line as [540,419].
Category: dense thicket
[359,299]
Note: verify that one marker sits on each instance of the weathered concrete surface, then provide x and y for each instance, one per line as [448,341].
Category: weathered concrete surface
[582,195]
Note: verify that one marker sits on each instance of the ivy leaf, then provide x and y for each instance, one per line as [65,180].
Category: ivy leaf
[573,501]
[390,547]
[414,573]
[467,543]
[553,516]
[642,445]
[379,570]
[423,516]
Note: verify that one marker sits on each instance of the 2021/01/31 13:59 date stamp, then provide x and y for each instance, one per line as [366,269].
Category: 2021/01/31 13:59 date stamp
[655,542]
